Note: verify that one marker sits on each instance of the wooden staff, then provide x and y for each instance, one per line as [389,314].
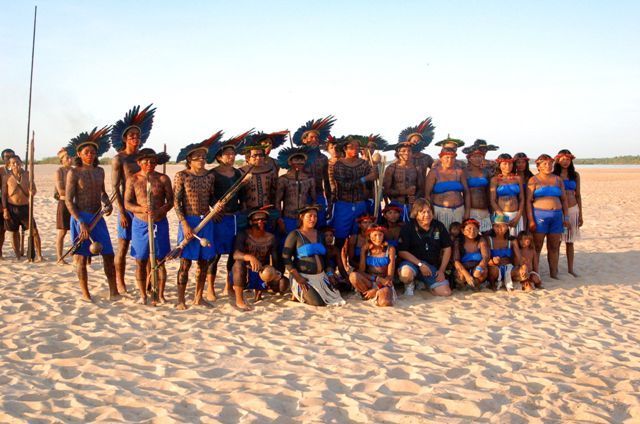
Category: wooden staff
[164,165]
[94,221]
[152,247]
[31,251]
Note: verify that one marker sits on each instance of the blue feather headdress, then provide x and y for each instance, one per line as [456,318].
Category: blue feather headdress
[236,142]
[135,118]
[381,143]
[321,126]
[287,153]
[264,141]
[203,145]
[424,131]
[98,138]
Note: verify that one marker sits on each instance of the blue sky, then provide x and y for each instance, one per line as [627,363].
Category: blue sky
[527,76]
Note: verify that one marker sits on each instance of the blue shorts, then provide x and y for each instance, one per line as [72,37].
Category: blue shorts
[429,281]
[224,234]
[125,233]
[193,250]
[344,217]
[100,233]
[548,222]
[255,282]
[140,239]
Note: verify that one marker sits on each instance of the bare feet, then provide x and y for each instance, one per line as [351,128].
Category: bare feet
[211,296]
[555,276]
[63,262]
[114,296]
[243,306]
[201,302]
[574,274]
[162,300]
[86,298]
[122,288]
[181,306]
[142,301]
[39,258]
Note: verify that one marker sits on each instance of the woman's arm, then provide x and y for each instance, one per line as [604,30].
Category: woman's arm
[493,197]
[579,200]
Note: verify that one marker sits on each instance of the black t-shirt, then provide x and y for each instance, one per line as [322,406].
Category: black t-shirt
[424,245]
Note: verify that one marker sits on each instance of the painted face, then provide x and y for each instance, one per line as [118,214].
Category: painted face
[198,159]
[311,139]
[500,229]
[392,215]
[148,165]
[256,157]
[227,157]
[404,153]
[87,155]
[564,161]
[414,139]
[506,167]
[424,217]
[309,219]
[351,150]
[377,238]
[364,225]
[259,220]
[470,231]
[297,163]
[132,138]
[476,158]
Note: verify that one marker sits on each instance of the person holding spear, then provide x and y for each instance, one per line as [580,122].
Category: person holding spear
[149,196]
[5,170]
[127,137]
[84,196]
[16,192]
[193,190]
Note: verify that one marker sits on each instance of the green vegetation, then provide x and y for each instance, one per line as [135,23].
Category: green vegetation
[616,160]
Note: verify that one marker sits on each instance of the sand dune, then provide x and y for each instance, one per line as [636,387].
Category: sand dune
[570,352]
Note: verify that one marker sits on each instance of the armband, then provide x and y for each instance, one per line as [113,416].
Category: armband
[363,180]
[329,273]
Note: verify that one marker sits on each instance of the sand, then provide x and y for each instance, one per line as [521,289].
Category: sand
[570,352]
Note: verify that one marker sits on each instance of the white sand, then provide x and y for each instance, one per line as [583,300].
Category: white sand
[570,352]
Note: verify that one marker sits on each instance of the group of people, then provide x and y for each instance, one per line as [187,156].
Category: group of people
[306,224]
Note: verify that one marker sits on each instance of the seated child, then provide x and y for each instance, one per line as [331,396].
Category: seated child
[470,256]
[504,254]
[528,262]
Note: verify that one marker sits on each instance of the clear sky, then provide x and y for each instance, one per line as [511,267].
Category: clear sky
[528,76]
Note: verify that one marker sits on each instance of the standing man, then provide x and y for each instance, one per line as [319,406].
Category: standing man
[4,171]
[136,201]
[403,180]
[313,134]
[351,174]
[15,203]
[84,193]
[296,188]
[127,137]
[193,190]
[419,137]
[63,217]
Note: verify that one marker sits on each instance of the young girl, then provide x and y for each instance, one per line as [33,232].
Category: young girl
[356,242]
[377,265]
[504,254]
[391,215]
[564,168]
[528,262]
[470,256]
[506,194]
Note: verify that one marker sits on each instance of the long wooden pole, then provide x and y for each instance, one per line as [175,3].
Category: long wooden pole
[31,251]
[27,158]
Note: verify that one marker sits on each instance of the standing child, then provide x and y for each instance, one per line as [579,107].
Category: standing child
[504,254]
[528,262]
[470,256]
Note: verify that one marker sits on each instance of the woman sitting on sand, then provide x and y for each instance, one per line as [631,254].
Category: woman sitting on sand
[355,242]
[505,254]
[507,194]
[547,211]
[304,257]
[377,265]
[471,256]
[564,169]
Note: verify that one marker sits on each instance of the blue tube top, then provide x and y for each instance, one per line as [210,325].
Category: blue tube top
[508,190]
[446,186]
[570,185]
[501,253]
[477,182]
[380,261]
[471,257]
[547,191]
[311,249]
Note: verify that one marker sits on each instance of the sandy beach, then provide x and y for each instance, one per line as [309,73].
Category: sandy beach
[570,352]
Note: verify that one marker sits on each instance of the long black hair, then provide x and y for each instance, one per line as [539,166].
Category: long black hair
[527,172]
[571,170]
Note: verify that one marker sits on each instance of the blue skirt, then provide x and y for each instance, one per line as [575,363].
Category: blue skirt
[125,233]
[193,250]
[140,239]
[344,217]
[224,234]
[100,233]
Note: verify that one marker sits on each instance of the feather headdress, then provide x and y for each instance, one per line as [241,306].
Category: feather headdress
[381,143]
[135,118]
[205,145]
[321,126]
[98,138]
[148,153]
[480,145]
[287,153]
[235,142]
[450,140]
[264,141]
[424,131]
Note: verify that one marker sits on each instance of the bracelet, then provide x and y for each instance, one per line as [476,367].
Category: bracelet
[329,273]
[479,268]
[363,180]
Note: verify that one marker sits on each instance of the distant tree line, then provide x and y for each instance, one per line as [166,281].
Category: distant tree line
[616,160]
[53,160]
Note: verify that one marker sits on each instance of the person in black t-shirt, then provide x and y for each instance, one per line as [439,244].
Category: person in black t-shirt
[425,249]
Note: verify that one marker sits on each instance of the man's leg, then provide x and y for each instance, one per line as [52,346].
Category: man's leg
[81,271]
[110,272]
[183,277]
[239,282]
[60,244]
[121,264]
[201,275]
[141,279]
